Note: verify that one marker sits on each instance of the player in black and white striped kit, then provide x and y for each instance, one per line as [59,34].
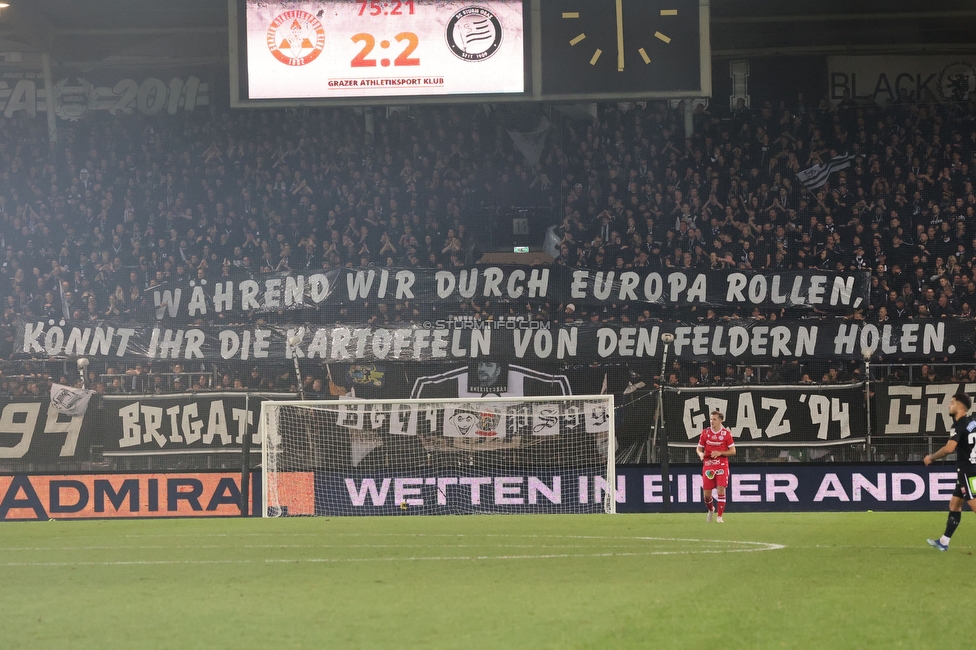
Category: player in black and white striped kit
[963,442]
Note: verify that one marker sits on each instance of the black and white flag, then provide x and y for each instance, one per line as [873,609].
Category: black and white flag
[816,176]
[531,144]
[69,400]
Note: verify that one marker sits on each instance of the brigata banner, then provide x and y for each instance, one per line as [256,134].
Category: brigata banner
[769,416]
[748,341]
[156,425]
[107,496]
[37,432]
[778,487]
[917,410]
[271,292]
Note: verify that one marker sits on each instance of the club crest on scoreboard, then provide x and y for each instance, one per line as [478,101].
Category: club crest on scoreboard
[474,34]
[296,38]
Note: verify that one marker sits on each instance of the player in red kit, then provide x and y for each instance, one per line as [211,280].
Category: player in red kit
[715,445]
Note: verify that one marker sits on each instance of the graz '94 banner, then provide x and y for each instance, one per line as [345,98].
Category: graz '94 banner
[271,292]
[749,341]
[777,416]
[918,410]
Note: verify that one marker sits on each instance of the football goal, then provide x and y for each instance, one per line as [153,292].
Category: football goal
[438,456]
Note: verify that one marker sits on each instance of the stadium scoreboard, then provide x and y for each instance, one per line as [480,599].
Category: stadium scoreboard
[344,52]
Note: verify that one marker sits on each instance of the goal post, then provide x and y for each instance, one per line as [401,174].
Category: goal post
[494,455]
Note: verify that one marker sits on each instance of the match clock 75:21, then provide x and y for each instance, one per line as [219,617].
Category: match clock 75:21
[620,47]
[385,8]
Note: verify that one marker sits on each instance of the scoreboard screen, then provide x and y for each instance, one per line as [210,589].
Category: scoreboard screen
[383,52]
[341,49]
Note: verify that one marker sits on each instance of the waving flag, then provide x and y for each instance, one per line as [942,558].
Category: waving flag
[69,400]
[814,177]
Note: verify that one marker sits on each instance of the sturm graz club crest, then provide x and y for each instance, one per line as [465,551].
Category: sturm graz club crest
[474,34]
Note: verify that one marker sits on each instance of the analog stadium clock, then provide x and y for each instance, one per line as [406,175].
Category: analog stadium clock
[622,48]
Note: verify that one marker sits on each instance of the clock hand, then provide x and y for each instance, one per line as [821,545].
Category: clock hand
[620,36]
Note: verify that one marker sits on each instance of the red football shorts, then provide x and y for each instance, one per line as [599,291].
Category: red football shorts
[713,477]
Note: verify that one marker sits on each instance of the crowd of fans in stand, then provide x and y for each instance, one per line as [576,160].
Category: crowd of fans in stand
[121,204]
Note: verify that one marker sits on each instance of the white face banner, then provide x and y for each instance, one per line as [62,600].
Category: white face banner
[70,401]
[475,421]
[384,48]
[917,78]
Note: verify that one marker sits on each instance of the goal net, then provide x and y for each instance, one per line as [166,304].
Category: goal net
[395,457]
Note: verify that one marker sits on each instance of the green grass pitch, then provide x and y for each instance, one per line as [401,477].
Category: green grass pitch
[829,580]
